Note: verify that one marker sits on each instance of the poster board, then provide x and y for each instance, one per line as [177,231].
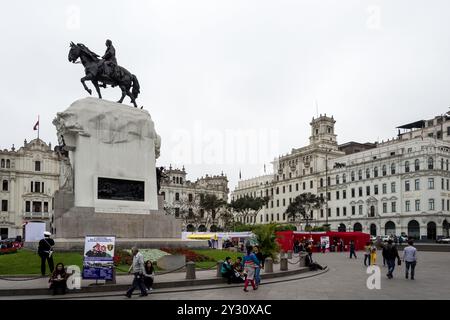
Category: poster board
[326,240]
[98,257]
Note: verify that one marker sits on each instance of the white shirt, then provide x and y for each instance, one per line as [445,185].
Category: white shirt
[138,263]
[410,254]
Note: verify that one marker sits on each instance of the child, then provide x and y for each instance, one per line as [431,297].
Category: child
[373,255]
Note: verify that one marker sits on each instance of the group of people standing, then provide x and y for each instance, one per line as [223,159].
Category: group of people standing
[390,255]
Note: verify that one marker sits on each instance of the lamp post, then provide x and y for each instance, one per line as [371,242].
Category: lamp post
[326,186]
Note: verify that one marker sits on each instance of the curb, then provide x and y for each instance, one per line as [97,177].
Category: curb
[157,285]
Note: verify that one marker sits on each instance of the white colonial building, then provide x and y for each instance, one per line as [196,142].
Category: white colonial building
[393,187]
[29,178]
[182,197]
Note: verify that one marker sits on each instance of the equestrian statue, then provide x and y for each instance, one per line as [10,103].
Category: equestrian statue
[105,70]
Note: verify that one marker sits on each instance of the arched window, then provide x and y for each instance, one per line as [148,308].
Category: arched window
[406,166]
[416,165]
[344,178]
[430,163]
[389,228]
[352,176]
[321,182]
[375,172]
[383,170]
[367,173]
[360,175]
[2,163]
[8,163]
[5,185]
[393,168]
[337,179]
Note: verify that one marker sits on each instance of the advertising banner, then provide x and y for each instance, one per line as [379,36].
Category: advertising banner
[98,262]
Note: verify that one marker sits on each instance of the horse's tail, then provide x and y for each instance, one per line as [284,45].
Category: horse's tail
[135,84]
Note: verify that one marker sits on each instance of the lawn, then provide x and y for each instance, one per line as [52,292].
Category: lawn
[27,262]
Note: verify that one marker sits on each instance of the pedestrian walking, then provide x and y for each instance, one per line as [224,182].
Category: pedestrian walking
[352,249]
[391,253]
[258,267]
[410,258]
[383,253]
[250,261]
[367,252]
[138,269]
[45,252]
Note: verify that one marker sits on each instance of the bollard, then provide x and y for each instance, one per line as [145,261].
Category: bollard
[268,265]
[283,264]
[302,257]
[219,267]
[190,270]
[289,254]
[282,254]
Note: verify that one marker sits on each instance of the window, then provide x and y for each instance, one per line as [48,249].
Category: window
[406,166]
[360,191]
[190,197]
[430,163]
[344,178]
[344,194]
[284,189]
[8,163]
[353,210]
[368,191]
[352,176]
[375,189]
[4,205]
[329,181]
[360,175]
[321,213]
[375,172]
[338,212]
[407,185]
[417,184]
[407,206]
[367,173]
[393,206]
[431,204]
[290,188]
[430,183]
[360,209]
[446,164]
[443,205]
[177,196]
[393,168]
[260,218]
[284,202]
[442,183]
[384,207]
[163,195]
[442,163]
[45,206]
[296,187]
[311,184]
[384,188]
[5,185]
[271,204]
[304,185]
[2,163]
[37,187]
[329,212]
[337,195]
[417,205]
[278,202]
[267,218]
[447,183]
[353,192]
[344,211]
[321,182]
[277,190]
[337,179]
[328,196]
[383,170]
[392,187]
[416,165]
[271,217]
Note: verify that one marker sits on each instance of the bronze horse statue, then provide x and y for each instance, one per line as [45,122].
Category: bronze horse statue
[97,71]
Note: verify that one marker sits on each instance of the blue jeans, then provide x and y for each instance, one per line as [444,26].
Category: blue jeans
[413,267]
[391,265]
[257,275]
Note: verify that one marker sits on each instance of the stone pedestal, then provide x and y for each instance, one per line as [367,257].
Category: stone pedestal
[110,186]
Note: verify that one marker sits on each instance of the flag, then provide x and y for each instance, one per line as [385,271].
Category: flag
[36,126]
[240,176]
[264,168]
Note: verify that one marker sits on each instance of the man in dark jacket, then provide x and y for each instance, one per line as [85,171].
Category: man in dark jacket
[391,253]
[45,251]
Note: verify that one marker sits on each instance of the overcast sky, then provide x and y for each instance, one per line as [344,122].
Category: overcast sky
[210,70]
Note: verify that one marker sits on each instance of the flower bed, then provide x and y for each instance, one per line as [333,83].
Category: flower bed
[125,256]
[190,255]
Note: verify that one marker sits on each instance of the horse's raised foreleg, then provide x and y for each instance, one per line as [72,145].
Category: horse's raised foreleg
[86,78]
[124,93]
[97,87]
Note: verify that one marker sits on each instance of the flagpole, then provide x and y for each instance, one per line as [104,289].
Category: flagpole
[39,125]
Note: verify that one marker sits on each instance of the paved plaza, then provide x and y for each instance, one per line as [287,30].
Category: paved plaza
[345,279]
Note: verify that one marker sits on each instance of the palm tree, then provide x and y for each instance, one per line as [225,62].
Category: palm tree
[303,206]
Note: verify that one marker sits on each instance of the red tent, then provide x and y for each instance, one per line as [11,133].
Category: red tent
[286,238]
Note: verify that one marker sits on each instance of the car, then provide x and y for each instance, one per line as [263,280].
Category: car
[443,240]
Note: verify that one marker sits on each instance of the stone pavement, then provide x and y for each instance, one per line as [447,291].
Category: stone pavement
[345,280]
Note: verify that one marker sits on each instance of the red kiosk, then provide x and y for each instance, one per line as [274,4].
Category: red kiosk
[286,239]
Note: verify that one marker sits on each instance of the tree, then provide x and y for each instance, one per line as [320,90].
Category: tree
[248,206]
[211,204]
[303,205]
[189,211]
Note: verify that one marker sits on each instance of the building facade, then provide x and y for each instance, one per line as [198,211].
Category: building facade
[29,178]
[393,187]
[182,197]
